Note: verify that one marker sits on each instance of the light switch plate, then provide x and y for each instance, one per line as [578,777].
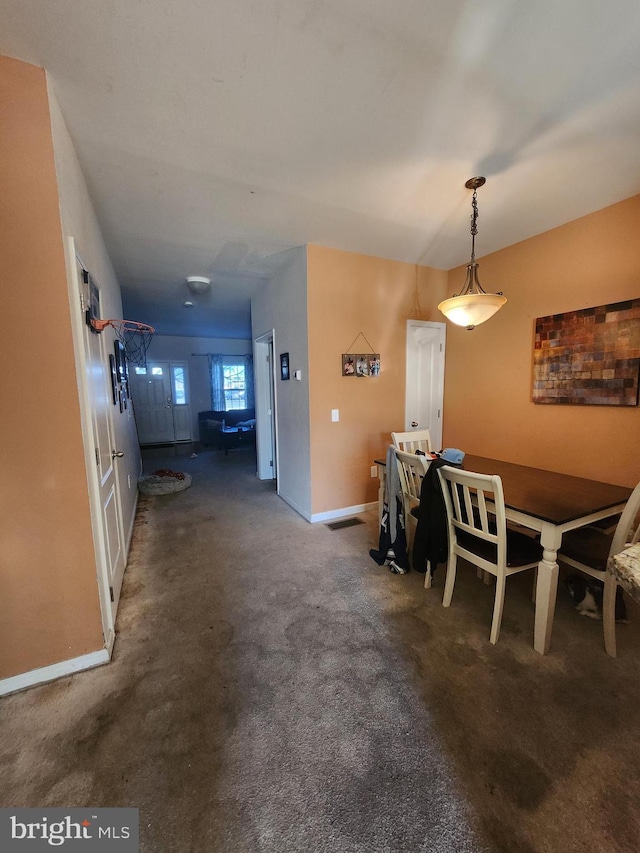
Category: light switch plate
[335,415]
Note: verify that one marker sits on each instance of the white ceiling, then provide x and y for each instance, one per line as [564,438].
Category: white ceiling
[214,134]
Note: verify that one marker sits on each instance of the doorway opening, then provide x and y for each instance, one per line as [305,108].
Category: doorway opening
[266,408]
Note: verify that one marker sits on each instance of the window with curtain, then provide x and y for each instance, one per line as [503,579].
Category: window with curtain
[231,382]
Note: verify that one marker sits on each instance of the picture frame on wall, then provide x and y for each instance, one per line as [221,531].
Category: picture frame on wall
[361,364]
[588,357]
[93,300]
[114,379]
[122,370]
[284,366]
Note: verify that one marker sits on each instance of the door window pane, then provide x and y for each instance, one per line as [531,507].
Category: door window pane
[179,389]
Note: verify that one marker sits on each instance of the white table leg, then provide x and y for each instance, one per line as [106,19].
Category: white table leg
[546,588]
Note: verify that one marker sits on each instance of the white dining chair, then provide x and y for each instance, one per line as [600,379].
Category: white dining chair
[588,550]
[478,533]
[413,440]
[411,469]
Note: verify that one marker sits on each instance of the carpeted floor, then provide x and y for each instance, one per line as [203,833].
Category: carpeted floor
[273,690]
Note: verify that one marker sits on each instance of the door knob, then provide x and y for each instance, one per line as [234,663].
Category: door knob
[118,453]
[414,423]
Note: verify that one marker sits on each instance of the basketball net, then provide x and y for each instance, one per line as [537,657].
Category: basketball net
[134,337]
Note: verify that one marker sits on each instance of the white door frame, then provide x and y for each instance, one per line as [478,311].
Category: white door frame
[86,420]
[266,406]
[412,390]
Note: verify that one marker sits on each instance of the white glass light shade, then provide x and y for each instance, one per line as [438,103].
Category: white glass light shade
[472,305]
[198,284]
[471,309]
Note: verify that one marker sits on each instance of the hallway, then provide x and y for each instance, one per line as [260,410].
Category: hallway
[272,690]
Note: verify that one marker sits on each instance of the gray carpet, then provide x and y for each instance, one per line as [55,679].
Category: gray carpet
[273,689]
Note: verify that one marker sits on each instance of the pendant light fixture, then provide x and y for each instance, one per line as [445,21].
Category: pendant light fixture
[198,285]
[472,305]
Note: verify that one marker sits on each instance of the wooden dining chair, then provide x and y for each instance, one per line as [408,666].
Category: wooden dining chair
[588,550]
[411,470]
[409,442]
[478,533]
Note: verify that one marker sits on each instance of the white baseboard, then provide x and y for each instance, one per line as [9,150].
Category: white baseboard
[132,523]
[341,513]
[56,670]
[332,514]
[109,642]
[295,506]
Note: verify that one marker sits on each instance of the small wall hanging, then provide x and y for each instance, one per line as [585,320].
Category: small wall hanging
[284,365]
[589,357]
[360,363]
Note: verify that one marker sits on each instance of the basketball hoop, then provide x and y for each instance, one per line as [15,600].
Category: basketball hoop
[134,337]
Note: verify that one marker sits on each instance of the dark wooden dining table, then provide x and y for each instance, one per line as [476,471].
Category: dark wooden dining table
[550,503]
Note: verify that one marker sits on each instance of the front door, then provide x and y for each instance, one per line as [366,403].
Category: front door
[161,404]
[425,378]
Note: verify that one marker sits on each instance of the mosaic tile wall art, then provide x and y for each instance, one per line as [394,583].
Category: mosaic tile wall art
[589,357]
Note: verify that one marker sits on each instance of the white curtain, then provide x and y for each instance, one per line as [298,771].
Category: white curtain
[217,382]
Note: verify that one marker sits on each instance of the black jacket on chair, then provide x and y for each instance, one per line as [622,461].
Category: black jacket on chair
[392,547]
[431,542]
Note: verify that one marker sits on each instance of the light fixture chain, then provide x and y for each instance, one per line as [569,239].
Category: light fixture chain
[474,224]
[472,305]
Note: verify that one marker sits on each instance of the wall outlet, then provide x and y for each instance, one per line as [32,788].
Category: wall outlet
[374,471]
[335,415]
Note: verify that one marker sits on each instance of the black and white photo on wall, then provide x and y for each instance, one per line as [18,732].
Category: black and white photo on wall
[284,365]
[115,390]
[122,370]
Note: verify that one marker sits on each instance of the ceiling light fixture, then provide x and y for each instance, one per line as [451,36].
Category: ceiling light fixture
[198,285]
[472,305]
[188,304]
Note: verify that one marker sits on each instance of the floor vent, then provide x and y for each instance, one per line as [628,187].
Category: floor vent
[348,522]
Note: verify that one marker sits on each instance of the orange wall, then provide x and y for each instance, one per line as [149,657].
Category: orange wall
[488,408]
[348,294]
[50,608]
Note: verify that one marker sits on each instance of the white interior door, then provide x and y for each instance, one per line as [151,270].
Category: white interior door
[98,380]
[266,447]
[272,412]
[425,378]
